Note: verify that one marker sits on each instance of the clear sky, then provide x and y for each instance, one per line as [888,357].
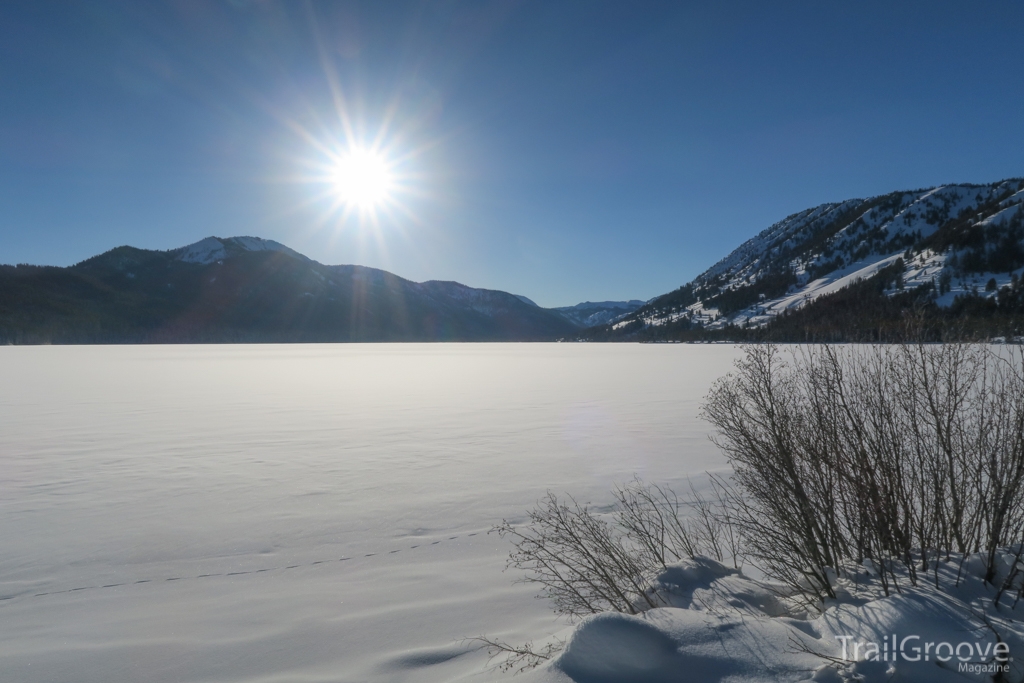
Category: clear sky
[562,150]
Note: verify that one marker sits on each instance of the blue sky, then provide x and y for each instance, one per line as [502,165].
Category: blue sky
[561,150]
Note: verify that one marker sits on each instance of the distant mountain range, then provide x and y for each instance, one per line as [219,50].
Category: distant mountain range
[948,260]
[591,313]
[247,289]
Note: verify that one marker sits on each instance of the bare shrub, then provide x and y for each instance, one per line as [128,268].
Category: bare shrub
[650,516]
[517,658]
[585,564]
[896,454]
[894,457]
[579,560]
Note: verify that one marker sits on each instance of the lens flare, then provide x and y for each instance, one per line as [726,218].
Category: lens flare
[363,179]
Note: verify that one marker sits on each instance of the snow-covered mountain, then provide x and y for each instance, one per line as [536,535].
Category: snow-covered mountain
[244,289]
[950,241]
[592,313]
[213,249]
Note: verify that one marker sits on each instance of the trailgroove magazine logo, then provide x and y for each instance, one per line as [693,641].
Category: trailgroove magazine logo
[971,657]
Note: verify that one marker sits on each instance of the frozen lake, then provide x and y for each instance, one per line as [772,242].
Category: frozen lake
[180,513]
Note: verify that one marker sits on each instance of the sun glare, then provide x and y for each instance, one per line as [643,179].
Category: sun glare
[363,179]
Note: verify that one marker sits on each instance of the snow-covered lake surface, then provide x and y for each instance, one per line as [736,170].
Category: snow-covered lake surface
[180,513]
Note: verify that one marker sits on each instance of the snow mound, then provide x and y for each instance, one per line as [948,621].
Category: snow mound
[677,583]
[724,626]
[718,626]
[616,647]
[680,645]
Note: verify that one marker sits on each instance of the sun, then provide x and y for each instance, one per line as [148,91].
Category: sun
[363,179]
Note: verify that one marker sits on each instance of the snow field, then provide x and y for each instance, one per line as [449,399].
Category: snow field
[199,463]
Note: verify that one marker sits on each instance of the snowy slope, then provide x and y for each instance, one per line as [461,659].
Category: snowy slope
[963,234]
[213,249]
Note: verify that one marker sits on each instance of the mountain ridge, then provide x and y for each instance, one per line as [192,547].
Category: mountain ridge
[247,289]
[595,313]
[959,248]
[855,270]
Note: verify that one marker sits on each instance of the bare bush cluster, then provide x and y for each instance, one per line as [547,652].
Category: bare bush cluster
[587,563]
[892,455]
